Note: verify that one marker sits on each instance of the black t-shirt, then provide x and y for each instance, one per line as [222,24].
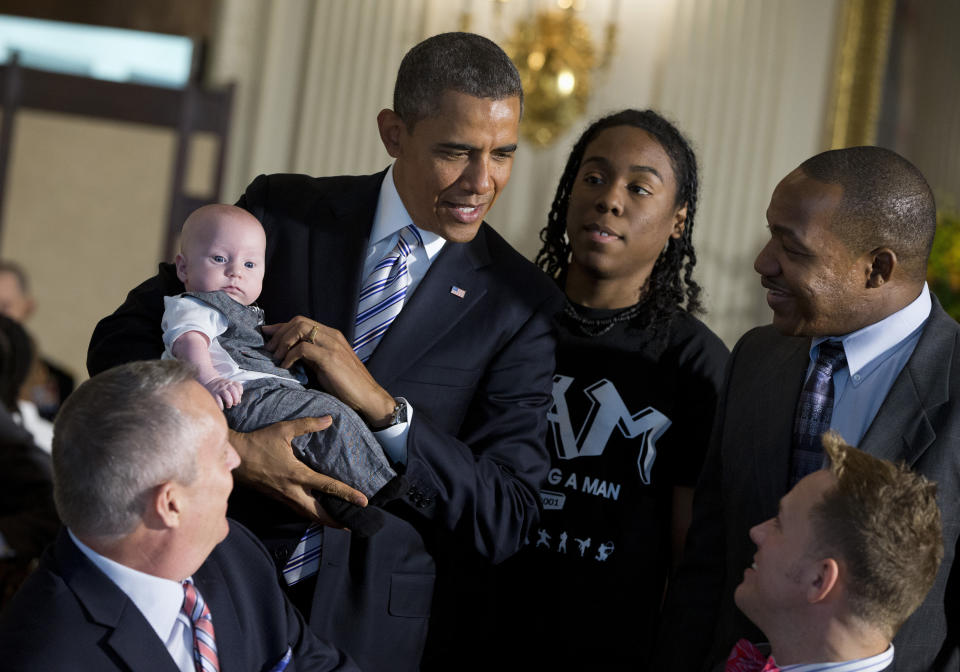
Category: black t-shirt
[631,419]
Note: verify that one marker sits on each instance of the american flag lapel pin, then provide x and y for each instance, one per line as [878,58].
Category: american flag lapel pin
[457,292]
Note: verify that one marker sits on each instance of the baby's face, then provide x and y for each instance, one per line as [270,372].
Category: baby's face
[225,253]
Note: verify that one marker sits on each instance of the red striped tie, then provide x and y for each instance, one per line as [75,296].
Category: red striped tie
[204,643]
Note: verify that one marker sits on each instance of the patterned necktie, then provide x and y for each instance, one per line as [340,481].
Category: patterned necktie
[382,295]
[745,657]
[304,562]
[814,411]
[204,643]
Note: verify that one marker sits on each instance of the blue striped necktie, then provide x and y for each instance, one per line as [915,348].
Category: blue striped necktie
[814,411]
[383,293]
[304,562]
[204,643]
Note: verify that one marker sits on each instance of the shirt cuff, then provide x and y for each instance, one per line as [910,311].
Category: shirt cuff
[393,439]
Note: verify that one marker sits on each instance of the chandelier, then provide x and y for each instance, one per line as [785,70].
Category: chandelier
[555,54]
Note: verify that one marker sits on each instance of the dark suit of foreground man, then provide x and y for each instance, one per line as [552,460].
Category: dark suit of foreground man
[142,468]
[850,234]
[471,352]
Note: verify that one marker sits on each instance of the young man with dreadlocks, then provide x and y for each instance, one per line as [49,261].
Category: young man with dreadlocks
[634,395]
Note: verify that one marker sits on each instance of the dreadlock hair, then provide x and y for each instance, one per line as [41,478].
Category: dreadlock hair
[671,280]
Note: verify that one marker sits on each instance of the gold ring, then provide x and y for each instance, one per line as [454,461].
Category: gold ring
[313,334]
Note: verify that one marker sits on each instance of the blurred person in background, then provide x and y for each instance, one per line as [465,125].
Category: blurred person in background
[28,519]
[47,384]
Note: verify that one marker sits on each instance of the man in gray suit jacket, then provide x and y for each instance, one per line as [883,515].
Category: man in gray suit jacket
[850,234]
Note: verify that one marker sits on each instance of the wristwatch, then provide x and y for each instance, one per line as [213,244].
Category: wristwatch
[399,412]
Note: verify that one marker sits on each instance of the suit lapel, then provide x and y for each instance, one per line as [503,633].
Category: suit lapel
[902,428]
[226,627]
[780,387]
[136,643]
[128,634]
[433,309]
[337,254]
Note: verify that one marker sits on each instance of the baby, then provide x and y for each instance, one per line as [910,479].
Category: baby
[215,327]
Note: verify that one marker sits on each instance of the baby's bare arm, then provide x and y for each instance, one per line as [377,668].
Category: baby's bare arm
[194,347]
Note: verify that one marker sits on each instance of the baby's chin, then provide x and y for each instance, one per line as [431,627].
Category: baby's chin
[234,294]
[239,297]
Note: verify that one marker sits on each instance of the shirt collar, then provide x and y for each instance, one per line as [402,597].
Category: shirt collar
[158,599]
[881,661]
[391,216]
[864,345]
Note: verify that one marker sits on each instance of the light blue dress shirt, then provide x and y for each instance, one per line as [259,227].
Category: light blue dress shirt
[390,217]
[875,356]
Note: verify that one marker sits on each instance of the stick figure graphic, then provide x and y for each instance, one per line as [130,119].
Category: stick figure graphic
[562,548]
[584,544]
[604,551]
[544,539]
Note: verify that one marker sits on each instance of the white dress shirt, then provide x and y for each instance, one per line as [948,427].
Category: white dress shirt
[159,600]
[391,216]
[881,661]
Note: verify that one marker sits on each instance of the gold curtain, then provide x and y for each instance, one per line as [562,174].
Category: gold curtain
[861,58]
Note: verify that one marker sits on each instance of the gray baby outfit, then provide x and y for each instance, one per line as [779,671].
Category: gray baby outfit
[347,450]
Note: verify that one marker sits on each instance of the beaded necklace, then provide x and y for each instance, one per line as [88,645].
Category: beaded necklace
[599,326]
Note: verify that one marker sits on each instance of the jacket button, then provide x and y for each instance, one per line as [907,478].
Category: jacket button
[280,554]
